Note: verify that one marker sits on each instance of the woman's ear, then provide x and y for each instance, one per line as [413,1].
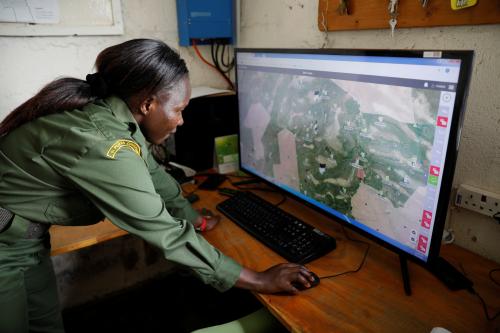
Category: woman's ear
[148,105]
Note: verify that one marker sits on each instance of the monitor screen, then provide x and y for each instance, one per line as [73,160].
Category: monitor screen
[367,137]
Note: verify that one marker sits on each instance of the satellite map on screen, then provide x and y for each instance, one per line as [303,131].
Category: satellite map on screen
[360,148]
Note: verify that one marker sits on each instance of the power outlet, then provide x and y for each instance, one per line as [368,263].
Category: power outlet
[478,200]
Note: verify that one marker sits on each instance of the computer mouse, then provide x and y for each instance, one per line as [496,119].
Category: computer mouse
[313,283]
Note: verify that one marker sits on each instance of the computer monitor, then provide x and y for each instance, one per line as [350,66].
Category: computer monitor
[368,137]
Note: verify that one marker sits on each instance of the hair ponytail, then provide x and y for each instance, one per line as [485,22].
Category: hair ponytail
[59,95]
[138,66]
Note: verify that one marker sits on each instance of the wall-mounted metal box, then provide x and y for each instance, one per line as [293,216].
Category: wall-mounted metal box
[205,19]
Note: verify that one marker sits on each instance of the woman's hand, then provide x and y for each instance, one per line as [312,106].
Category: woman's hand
[279,278]
[211,219]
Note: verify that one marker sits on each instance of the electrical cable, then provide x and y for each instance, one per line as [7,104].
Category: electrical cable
[242,187]
[362,260]
[474,292]
[222,57]
[324,25]
[198,53]
[281,201]
[213,53]
[214,50]
[230,62]
[217,45]
[262,189]
[485,307]
[241,176]
[195,47]
[490,274]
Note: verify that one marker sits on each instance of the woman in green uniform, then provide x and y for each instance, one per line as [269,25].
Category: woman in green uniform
[77,152]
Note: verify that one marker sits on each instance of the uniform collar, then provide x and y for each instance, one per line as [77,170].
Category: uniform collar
[122,112]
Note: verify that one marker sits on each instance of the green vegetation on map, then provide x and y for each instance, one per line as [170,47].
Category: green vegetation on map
[341,141]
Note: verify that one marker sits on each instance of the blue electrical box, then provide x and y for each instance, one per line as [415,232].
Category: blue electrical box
[205,19]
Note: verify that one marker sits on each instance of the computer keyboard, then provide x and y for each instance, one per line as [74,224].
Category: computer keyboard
[294,240]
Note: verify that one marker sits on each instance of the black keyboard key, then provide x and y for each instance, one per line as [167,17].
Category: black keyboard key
[291,238]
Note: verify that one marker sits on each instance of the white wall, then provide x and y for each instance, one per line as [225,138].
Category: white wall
[26,63]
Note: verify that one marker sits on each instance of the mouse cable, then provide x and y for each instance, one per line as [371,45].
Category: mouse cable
[362,261]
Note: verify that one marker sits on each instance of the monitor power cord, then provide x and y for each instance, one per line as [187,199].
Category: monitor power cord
[485,307]
[471,289]
[474,292]
[483,303]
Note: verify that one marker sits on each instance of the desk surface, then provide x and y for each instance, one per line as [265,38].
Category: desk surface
[67,239]
[371,300]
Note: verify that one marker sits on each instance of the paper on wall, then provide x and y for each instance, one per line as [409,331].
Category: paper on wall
[29,11]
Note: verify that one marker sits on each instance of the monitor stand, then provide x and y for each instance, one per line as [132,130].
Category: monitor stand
[404,274]
[449,275]
[440,268]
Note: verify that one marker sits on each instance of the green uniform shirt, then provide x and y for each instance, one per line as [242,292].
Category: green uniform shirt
[74,167]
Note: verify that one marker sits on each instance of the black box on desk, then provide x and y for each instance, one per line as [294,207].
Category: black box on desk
[205,118]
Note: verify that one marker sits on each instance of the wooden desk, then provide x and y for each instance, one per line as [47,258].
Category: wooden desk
[67,239]
[371,300]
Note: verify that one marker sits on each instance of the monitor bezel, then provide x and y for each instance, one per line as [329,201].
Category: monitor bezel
[466,57]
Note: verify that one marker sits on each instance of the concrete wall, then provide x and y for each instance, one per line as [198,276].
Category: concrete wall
[26,63]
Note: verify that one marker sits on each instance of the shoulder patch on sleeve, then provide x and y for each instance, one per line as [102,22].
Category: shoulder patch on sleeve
[123,143]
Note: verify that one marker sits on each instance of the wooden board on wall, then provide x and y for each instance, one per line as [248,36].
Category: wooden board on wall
[374,14]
